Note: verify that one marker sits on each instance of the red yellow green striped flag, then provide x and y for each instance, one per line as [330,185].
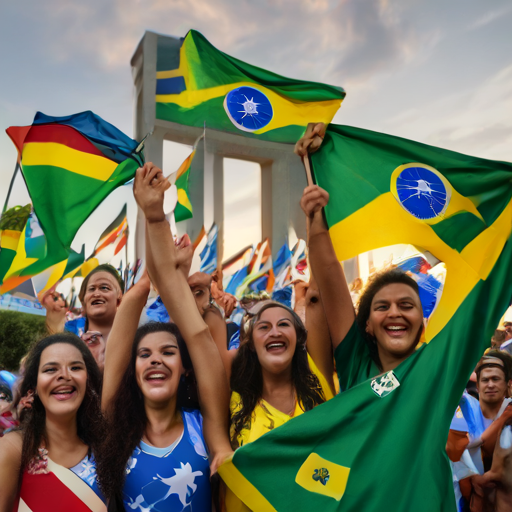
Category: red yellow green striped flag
[70,165]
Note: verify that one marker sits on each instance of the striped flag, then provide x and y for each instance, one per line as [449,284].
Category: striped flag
[70,165]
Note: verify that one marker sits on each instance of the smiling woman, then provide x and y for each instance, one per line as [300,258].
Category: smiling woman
[60,432]
[155,456]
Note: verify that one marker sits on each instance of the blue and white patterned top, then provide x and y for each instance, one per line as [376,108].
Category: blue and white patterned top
[86,471]
[175,478]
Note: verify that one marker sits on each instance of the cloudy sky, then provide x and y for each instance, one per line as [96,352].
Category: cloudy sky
[435,71]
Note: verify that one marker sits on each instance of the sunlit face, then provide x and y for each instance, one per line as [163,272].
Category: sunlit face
[275,339]
[61,380]
[158,366]
[396,321]
[492,386]
[102,297]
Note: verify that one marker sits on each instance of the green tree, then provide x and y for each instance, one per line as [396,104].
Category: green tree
[18,332]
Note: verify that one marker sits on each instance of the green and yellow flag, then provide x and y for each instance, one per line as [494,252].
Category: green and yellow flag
[12,224]
[210,88]
[379,446]
[70,164]
[183,209]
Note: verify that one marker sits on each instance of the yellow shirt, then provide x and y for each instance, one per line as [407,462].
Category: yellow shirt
[265,418]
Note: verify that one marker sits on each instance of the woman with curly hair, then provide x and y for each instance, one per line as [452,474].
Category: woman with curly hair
[49,462]
[155,456]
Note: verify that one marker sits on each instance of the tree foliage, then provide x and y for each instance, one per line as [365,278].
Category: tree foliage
[18,332]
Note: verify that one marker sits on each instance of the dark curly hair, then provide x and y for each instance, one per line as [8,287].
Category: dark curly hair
[89,419]
[247,378]
[127,417]
[375,284]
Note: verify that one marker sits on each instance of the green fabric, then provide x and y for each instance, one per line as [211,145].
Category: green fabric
[394,445]
[356,165]
[392,439]
[353,362]
[211,67]
[63,201]
[203,68]
[6,258]
[180,211]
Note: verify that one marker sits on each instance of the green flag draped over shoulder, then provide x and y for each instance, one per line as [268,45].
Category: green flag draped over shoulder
[379,446]
[210,87]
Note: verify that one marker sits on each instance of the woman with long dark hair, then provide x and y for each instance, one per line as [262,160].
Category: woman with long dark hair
[271,377]
[49,463]
[155,456]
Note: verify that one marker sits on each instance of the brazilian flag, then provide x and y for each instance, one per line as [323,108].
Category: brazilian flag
[209,87]
[379,446]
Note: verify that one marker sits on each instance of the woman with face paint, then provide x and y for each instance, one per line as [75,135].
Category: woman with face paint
[156,454]
[48,464]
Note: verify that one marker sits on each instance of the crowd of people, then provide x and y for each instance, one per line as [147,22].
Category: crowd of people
[108,413]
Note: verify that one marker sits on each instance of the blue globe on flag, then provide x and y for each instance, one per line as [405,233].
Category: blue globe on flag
[422,192]
[248,108]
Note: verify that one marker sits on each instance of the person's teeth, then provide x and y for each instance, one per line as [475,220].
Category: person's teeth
[273,345]
[395,328]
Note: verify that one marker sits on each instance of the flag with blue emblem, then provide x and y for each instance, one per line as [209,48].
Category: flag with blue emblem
[210,87]
[209,253]
[372,448]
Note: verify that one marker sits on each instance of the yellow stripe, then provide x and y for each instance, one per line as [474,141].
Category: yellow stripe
[243,488]
[384,222]
[286,112]
[183,199]
[9,239]
[80,488]
[59,155]
[185,165]
[20,261]
[49,277]
[169,74]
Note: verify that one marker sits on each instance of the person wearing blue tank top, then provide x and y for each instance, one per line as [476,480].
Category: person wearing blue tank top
[165,392]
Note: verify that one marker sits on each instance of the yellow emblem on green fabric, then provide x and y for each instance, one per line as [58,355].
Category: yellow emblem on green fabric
[322,476]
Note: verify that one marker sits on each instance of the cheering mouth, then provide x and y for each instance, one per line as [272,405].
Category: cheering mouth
[396,330]
[64,393]
[276,347]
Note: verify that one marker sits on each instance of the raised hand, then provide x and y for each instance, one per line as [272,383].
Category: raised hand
[184,254]
[149,188]
[311,140]
[313,200]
